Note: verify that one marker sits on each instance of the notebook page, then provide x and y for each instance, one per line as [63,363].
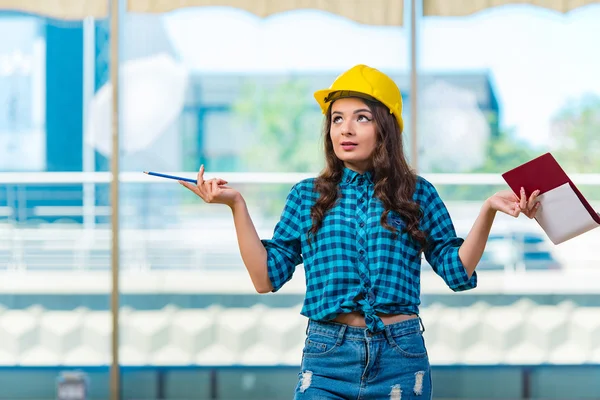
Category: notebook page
[562,215]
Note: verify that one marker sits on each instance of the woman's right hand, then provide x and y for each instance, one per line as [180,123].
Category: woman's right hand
[213,190]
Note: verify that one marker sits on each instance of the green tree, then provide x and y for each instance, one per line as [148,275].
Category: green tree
[504,152]
[285,124]
[577,132]
[285,129]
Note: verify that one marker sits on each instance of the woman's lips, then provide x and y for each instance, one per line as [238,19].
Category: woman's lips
[348,146]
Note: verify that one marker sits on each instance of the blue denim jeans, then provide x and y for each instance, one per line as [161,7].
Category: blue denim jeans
[344,362]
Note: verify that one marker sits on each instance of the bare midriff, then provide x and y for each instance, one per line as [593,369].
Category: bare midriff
[357,319]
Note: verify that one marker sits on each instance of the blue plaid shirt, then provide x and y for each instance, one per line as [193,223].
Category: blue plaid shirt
[353,263]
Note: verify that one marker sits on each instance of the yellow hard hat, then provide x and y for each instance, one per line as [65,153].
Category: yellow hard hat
[363,80]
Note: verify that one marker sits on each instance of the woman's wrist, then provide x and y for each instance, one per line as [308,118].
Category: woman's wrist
[237,202]
[487,207]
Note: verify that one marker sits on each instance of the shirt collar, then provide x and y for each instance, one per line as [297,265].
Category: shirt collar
[350,176]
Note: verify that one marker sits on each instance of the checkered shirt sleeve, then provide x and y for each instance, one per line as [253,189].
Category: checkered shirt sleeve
[443,244]
[284,248]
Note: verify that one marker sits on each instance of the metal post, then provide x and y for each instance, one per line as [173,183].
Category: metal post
[526,383]
[115,392]
[89,68]
[214,384]
[414,148]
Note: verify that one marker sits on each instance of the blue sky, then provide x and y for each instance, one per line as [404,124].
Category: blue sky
[538,59]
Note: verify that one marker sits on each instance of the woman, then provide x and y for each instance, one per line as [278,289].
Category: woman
[360,229]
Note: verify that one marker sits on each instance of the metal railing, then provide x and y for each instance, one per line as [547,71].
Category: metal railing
[248,177]
[164,227]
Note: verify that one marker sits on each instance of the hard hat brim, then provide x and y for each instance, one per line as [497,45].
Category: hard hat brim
[325,97]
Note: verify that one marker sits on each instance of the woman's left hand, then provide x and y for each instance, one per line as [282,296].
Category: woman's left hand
[507,202]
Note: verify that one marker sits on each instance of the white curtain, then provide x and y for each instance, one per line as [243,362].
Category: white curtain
[454,8]
[60,9]
[371,12]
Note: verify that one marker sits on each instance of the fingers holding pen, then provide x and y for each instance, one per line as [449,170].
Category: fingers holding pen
[200,177]
[200,187]
[209,190]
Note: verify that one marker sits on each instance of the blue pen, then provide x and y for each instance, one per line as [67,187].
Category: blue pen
[171,177]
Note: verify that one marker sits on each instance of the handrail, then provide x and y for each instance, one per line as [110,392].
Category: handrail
[28,245]
[249,177]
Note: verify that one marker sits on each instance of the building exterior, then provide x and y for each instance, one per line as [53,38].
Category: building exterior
[225,123]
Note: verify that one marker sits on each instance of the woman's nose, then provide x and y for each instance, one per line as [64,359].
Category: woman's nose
[346,129]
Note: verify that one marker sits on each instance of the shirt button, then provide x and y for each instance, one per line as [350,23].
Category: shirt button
[362,224]
[361,181]
[371,297]
[362,252]
[361,200]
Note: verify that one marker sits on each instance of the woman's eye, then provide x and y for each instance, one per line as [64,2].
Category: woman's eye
[337,120]
[363,118]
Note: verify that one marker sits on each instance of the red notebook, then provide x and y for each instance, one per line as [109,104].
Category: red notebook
[564,211]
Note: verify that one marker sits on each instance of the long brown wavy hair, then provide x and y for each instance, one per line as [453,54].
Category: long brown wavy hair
[395,182]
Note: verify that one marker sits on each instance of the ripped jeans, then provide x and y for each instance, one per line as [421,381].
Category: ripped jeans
[344,362]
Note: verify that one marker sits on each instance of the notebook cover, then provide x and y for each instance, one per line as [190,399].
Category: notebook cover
[543,173]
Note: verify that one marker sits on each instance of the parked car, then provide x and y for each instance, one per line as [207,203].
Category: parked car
[517,251]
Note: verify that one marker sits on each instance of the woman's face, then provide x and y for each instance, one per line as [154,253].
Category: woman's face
[353,133]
